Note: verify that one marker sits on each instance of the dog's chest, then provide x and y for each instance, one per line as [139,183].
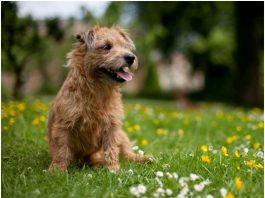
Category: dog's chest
[93,124]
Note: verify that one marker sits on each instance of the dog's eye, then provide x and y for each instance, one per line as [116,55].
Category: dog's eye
[106,47]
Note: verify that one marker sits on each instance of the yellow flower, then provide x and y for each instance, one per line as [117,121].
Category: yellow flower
[224,150]
[204,148]
[130,129]
[13,113]
[256,145]
[261,125]
[35,121]
[219,114]
[39,106]
[205,158]
[6,128]
[229,195]
[258,166]
[4,114]
[180,132]
[174,114]
[137,127]
[248,137]
[160,131]
[21,106]
[238,128]
[144,142]
[231,139]
[42,118]
[11,121]
[236,153]
[256,110]
[250,163]
[238,183]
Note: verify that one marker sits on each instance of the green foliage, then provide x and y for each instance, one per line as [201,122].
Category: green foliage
[87,16]
[173,136]
[204,31]
[20,38]
[151,84]
[113,14]
[53,28]
[219,44]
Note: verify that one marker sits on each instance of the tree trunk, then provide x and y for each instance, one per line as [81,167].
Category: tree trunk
[248,87]
[18,82]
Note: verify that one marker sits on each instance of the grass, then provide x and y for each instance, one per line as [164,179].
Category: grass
[176,138]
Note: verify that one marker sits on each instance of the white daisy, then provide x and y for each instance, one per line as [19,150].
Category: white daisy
[159,174]
[135,148]
[245,150]
[199,187]
[223,192]
[169,192]
[191,155]
[134,191]
[260,154]
[183,192]
[130,171]
[141,189]
[183,181]
[175,175]
[159,182]
[206,182]
[194,177]
[169,175]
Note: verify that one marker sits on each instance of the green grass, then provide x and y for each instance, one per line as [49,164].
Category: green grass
[172,135]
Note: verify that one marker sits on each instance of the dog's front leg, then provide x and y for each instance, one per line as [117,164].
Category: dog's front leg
[60,152]
[111,151]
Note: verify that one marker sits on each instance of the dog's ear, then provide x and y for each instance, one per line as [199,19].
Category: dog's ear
[87,37]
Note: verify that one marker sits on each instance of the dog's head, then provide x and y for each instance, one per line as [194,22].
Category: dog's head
[109,53]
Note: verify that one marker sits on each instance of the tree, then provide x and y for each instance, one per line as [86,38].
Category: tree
[53,28]
[249,35]
[20,41]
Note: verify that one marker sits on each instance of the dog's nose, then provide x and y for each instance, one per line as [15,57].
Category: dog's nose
[129,58]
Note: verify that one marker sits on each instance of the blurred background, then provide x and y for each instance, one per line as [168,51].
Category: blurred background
[187,51]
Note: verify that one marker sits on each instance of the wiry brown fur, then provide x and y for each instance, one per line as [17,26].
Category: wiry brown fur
[86,116]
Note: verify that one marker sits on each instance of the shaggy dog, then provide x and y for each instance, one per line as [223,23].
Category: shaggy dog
[85,121]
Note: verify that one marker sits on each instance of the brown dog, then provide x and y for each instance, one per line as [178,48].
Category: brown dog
[85,121]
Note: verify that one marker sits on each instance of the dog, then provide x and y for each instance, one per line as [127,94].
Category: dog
[85,120]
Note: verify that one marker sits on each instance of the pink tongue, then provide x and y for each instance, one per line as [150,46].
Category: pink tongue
[124,75]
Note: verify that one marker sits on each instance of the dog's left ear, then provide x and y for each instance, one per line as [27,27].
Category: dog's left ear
[87,37]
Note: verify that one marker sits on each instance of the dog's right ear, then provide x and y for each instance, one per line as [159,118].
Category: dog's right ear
[86,37]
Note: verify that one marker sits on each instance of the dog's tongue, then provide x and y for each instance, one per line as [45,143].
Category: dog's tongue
[124,75]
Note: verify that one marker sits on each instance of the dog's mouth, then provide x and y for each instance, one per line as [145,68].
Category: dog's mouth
[120,75]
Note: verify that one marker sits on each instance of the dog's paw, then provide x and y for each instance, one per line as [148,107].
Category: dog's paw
[114,168]
[149,158]
[57,167]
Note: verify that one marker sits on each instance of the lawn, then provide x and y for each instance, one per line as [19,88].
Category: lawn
[212,151]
